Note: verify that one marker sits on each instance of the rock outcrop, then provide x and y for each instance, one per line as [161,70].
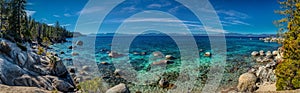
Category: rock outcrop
[121,88]
[26,68]
[247,82]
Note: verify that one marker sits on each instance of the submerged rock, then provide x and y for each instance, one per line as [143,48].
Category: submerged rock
[80,43]
[85,68]
[70,47]
[113,54]
[207,54]
[104,63]
[164,83]
[247,82]
[121,88]
[75,54]
[158,54]
[170,57]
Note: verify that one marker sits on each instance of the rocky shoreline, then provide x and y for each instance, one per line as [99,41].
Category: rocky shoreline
[46,70]
[32,67]
[261,78]
[272,39]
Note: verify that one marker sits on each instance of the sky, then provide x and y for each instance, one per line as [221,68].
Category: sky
[131,16]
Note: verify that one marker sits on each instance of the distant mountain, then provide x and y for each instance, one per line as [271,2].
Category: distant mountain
[180,34]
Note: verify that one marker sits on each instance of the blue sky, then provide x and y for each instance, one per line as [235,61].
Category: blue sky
[237,16]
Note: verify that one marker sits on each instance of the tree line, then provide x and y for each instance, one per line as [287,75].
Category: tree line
[16,26]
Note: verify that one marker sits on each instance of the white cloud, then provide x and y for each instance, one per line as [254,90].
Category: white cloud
[51,24]
[56,15]
[66,25]
[232,17]
[174,9]
[30,13]
[233,13]
[67,15]
[91,10]
[154,6]
[211,29]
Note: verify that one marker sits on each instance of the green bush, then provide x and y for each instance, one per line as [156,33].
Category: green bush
[288,75]
[40,50]
[93,86]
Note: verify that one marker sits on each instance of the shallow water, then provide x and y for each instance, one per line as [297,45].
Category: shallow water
[140,58]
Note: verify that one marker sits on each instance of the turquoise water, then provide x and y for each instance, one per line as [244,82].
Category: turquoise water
[140,55]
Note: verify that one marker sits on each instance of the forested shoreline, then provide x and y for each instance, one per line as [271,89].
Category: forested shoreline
[17,26]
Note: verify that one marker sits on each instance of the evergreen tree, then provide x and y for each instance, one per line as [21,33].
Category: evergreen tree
[18,27]
[288,71]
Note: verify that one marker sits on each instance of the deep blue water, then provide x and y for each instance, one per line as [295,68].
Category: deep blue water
[141,48]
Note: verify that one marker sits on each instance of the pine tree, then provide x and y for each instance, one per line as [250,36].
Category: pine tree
[288,71]
[17,12]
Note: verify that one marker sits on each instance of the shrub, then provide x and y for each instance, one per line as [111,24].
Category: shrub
[94,85]
[288,75]
[40,50]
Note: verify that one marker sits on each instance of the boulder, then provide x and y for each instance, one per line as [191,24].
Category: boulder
[158,54]
[247,82]
[113,54]
[263,59]
[62,52]
[207,54]
[170,57]
[266,74]
[121,88]
[84,73]
[104,63]
[85,68]
[261,53]
[278,58]
[80,43]
[162,62]
[75,54]
[22,58]
[118,72]
[59,68]
[275,53]
[63,85]
[72,69]
[26,80]
[68,59]
[254,53]
[143,53]
[269,54]
[70,47]
[9,71]
[201,50]
[164,83]
[4,47]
